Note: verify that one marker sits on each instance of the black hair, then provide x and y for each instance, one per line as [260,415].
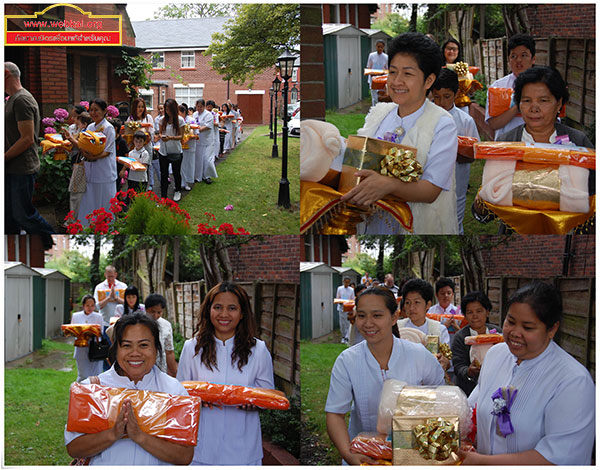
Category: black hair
[446,79]
[155,299]
[475,296]
[521,40]
[543,298]
[425,51]
[444,282]
[201,102]
[86,298]
[358,289]
[116,123]
[419,286]
[458,57]
[119,330]
[388,297]
[228,108]
[79,109]
[139,135]
[85,118]
[183,108]
[100,102]
[131,290]
[380,41]
[211,103]
[549,76]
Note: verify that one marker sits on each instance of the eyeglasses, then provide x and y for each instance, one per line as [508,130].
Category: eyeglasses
[451,48]
[523,56]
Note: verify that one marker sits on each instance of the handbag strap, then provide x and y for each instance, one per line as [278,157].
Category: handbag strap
[94,379]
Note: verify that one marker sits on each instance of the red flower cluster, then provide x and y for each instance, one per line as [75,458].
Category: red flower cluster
[100,221]
[223,229]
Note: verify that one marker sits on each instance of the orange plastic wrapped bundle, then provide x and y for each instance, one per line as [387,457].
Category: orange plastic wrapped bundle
[440,316]
[83,332]
[102,294]
[347,305]
[131,163]
[94,408]
[465,145]
[379,82]
[537,153]
[501,98]
[236,395]
[372,445]
[490,338]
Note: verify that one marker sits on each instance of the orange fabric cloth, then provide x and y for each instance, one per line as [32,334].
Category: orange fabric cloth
[235,395]
[484,339]
[457,317]
[83,332]
[373,446]
[94,408]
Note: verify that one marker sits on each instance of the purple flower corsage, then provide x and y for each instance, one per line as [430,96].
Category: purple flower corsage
[503,399]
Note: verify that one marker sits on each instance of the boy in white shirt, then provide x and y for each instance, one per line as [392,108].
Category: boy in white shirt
[347,293]
[377,60]
[444,93]
[138,180]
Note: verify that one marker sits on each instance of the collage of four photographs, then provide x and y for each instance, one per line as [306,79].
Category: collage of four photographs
[299,234]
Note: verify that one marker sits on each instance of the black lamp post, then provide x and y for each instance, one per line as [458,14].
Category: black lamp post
[275,151]
[271,114]
[285,62]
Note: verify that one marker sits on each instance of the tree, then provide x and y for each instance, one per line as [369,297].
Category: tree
[72,264]
[252,41]
[515,19]
[194,10]
[138,73]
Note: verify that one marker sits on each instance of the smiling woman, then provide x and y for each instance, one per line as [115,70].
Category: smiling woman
[133,355]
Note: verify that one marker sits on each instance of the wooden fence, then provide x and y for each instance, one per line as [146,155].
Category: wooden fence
[574,58]
[276,308]
[577,334]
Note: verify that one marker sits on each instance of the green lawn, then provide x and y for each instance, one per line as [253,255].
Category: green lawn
[35,412]
[316,362]
[347,123]
[249,181]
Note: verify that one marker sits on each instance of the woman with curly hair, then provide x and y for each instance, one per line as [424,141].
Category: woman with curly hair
[226,351]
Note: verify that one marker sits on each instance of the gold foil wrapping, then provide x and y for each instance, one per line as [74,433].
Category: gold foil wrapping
[537,188]
[414,399]
[425,440]
[445,350]
[132,126]
[402,164]
[433,343]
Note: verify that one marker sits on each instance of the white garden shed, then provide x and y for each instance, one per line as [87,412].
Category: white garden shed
[56,283]
[316,306]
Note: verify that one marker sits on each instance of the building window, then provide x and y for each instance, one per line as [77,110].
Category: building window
[309,253]
[188,59]
[294,95]
[294,75]
[158,60]
[148,97]
[189,94]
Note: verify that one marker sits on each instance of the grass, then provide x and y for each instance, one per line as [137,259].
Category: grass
[35,412]
[249,180]
[317,361]
[347,123]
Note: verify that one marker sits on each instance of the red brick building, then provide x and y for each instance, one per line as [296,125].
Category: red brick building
[275,258]
[358,15]
[540,256]
[323,248]
[563,20]
[27,249]
[181,70]
[62,76]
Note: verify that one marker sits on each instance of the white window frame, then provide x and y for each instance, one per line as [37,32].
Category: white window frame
[161,59]
[184,94]
[148,93]
[191,59]
[294,74]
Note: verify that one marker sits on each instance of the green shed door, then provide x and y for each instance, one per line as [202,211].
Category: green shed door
[305,307]
[336,279]
[39,311]
[365,48]
[67,310]
[331,72]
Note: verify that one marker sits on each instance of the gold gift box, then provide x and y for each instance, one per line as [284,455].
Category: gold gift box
[405,446]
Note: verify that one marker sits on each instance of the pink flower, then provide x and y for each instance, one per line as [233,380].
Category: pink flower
[112,111]
[61,114]
[85,104]
[48,121]
[228,207]
[49,130]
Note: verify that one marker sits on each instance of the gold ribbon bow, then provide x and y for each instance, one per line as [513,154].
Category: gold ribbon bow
[402,164]
[436,439]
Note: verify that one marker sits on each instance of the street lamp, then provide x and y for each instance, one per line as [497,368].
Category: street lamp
[275,151]
[271,114]
[285,62]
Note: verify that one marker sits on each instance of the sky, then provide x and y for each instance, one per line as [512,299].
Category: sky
[142,10]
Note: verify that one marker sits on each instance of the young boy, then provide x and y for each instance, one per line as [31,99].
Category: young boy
[415,62]
[444,93]
[521,56]
[444,293]
[138,180]
[417,296]
[154,306]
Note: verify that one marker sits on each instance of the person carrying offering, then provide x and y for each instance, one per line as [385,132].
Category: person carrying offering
[133,355]
[359,372]
[535,402]
[87,316]
[226,351]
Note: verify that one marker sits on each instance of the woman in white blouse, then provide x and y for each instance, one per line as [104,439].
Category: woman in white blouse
[226,351]
[547,416]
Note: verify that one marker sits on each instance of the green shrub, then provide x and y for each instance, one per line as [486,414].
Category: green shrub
[282,427]
[52,181]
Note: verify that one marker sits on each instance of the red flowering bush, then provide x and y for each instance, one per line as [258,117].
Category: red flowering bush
[223,229]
